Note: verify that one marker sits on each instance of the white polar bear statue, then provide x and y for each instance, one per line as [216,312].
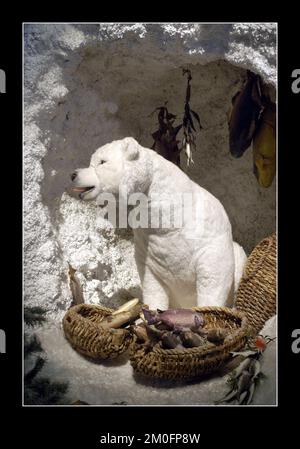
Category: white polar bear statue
[196,264]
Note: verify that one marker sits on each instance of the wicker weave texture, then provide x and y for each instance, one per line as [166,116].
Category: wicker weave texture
[86,336]
[184,364]
[256,295]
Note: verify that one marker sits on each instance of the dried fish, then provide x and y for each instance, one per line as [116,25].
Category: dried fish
[188,153]
[127,306]
[169,340]
[216,335]
[140,332]
[119,336]
[251,393]
[122,318]
[242,367]
[264,147]
[245,377]
[254,368]
[153,333]
[244,381]
[75,287]
[175,318]
[247,106]
[150,316]
[191,339]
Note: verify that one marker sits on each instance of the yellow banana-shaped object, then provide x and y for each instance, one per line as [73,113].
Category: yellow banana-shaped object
[264,147]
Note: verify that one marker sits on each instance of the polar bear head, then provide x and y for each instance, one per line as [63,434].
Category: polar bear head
[114,167]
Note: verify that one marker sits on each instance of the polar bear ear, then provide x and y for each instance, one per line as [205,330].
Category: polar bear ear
[131,148]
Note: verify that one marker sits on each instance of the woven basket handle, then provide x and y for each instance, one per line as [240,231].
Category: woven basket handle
[258,266]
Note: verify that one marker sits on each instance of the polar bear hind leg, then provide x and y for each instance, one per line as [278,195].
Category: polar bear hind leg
[239,263]
[155,295]
[215,273]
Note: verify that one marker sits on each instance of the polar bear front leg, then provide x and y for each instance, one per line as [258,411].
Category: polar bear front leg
[154,293]
[215,275]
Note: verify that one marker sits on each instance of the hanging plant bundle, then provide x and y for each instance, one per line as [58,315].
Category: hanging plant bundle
[165,138]
[189,138]
[165,142]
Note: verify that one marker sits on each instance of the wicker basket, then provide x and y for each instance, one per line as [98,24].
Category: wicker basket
[184,364]
[82,330]
[256,295]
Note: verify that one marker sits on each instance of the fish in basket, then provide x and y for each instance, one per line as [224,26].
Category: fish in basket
[182,344]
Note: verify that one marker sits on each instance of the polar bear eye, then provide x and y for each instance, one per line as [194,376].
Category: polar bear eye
[101,162]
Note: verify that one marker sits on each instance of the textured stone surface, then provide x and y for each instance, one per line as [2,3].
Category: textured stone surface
[86,85]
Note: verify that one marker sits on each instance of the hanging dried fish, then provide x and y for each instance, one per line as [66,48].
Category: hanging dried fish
[264,147]
[188,153]
[247,106]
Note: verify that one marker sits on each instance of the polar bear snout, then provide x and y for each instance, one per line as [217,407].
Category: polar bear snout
[84,183]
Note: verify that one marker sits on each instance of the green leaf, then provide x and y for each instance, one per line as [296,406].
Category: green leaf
[170,116]
[34,315]
[32,345]
[177,129]
[40,362]
[156,135]
[191,122]
[197,118]
[44,392]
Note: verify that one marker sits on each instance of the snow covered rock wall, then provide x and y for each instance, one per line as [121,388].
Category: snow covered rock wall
[86,85]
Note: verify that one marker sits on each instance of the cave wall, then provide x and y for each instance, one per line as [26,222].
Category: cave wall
[86,85]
